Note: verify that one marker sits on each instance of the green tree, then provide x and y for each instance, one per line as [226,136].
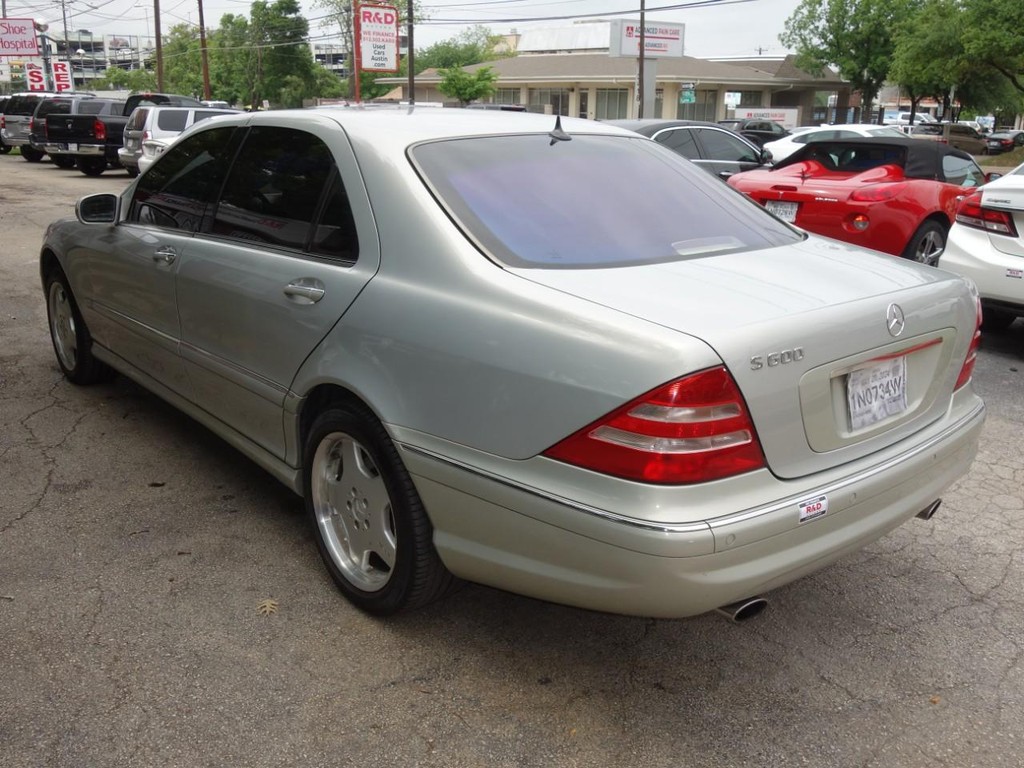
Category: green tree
[854,36]
[284,66]
[471,46]
[994,35]
[183,72]
[117,79]
[467,86]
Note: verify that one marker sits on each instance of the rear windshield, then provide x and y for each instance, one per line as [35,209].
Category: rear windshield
[931,129]
[172,119]
[593,201]
[53,107]
[22,105]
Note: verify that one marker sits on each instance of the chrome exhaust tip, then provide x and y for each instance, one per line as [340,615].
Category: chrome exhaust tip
[930,510]
[742,610]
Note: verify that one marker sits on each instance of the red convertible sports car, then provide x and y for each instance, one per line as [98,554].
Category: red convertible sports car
[897,196]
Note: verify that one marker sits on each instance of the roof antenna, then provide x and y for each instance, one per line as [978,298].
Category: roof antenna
[558,134]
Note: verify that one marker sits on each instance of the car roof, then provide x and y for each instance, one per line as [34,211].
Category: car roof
[923,159]
[405,125]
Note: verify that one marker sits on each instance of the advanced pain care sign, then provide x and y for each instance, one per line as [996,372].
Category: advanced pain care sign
[377,34]
[18,38]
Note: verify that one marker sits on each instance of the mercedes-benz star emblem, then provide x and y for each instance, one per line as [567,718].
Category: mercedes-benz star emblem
[894,320]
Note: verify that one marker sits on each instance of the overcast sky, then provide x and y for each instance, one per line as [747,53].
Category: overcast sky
[717,28]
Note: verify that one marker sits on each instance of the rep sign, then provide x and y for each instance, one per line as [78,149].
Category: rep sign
[62,78]
[378,38]
[18,38]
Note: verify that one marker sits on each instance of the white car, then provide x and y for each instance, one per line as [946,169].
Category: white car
[783,148]
[985,244]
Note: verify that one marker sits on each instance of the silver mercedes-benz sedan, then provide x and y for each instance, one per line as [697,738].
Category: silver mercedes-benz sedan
[549,356]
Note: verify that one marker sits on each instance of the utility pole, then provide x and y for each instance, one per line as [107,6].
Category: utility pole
[410,56]
[159,46]
[203,55]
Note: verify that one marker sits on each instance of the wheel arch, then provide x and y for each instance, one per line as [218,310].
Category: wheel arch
[319,398]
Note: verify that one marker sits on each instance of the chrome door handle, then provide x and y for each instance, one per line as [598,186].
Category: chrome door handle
[167,255]
[310,293]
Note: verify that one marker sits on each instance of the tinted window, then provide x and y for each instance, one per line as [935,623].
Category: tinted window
[22,105]
[54,107]
[679,140]
[274,188]
[176,191]
[171,119]
[335,233]
[531,202]
[203,114]
[719,145]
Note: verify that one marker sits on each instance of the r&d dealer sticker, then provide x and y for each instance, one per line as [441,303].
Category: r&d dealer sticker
[813,508]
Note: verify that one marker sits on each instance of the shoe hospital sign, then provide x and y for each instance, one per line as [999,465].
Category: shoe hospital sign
[18,38]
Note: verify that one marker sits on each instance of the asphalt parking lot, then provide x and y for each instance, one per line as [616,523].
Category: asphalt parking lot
[136,550]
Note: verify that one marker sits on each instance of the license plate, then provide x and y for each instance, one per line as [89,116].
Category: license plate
[72,147]
[784,209]
[877,392]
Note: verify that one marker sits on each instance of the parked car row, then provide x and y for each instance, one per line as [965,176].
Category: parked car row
[548,355]
[83,131]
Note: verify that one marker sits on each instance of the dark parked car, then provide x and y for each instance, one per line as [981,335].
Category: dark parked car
[713,148]
[1004,141]
[757,130]
[59,109]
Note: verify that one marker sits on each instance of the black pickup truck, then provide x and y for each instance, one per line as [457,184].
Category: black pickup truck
[94,139]
[63,107]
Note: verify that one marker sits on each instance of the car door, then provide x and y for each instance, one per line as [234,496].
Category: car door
[134,267]
[279,262]
[725,153]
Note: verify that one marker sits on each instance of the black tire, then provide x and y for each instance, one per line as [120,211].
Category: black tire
[4,149]
[63,161]
[996,320]
[927,244]
[370,526]
[32,155]
[92,166]
[133,171]
[71,340]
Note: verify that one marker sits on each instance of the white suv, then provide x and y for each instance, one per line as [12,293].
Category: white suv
[157,127]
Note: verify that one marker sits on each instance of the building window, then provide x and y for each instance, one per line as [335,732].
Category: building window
[506,96]
[612,103]
[746,98]
[659,102]
[556,98]
[702,108]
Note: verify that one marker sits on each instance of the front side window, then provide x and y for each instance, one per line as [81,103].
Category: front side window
[274,188]
[529,202]
[176,191]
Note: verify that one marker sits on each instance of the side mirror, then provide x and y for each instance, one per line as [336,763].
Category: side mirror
[98,209]
[992,176]
[766,156]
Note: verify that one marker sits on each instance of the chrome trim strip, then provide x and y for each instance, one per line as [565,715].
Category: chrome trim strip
[716,522]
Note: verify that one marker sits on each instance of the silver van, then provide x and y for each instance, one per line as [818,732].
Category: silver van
[160,124]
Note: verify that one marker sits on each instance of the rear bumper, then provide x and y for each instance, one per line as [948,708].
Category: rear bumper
[500,532]
[999,276]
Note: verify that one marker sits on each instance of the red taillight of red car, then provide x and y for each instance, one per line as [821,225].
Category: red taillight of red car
[691,430]
[967,369]
[972,214]
[99,130]
[878,193]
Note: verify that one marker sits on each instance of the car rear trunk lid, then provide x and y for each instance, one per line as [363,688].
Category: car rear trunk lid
[824,377]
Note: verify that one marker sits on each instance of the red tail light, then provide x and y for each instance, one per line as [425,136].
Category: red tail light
[967,369]
[691,430]
[877,193]
[970,213]
[31,124]
[99,130]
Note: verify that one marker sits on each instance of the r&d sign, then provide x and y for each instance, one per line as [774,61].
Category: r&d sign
[377,34]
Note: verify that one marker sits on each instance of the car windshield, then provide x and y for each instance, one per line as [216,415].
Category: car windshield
[593,201]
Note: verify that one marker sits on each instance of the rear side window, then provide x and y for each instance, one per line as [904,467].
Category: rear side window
[274,189]
[529,201]
[172,120]
[679,140]
[22,105]
[94,107]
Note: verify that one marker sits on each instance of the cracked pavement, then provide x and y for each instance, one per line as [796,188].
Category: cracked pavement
[135,548]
